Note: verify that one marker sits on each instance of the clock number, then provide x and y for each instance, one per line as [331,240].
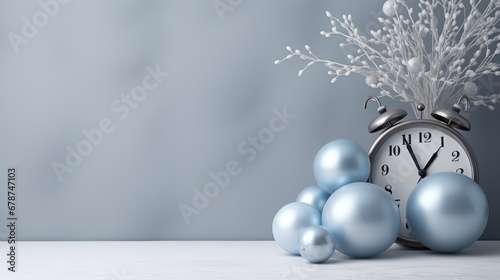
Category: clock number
[398,200]
[388,188]
[394,151]
[424,137]
[455,154]
[385,169]
[460,170]
[442,141]
[406,141]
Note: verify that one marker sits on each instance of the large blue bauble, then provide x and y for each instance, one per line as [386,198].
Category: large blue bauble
[316,244]
[314,196]
[289,223]
[363,219]
[447,212]
[339,163]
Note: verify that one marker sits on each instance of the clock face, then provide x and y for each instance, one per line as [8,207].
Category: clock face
[412,150]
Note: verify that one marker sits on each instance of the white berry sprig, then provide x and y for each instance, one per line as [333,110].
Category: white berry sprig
[427,52]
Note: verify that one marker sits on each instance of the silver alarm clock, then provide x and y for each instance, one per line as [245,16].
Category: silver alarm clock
[408,151]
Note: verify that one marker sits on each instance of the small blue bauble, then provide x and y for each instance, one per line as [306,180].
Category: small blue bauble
[289,223]
[339,163]
[363,219]
[447,212]
[314,196]
[316,244]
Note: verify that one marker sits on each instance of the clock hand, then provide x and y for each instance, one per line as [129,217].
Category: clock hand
[423,172]
[412,154]
[431,160]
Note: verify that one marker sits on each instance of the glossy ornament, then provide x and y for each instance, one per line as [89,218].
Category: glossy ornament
[289,223]
[470,88]
[414,65]
[363,219]
[339,163]
[314,196]
[372,80]
[390,8]
[316,244]
[447,212]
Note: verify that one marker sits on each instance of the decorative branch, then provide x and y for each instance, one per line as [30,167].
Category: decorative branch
[432,56]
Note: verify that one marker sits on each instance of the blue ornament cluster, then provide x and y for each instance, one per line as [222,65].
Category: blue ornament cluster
[446,211]
[343,212]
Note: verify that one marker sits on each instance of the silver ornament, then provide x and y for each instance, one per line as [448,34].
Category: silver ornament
[316,244]
[340,162]
[363,219]
[289,223]
[414,65]
[447,212]
[390,8]
[314,196]
[470,89]
[372,80]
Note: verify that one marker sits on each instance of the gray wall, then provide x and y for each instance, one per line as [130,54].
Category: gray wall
[222,89]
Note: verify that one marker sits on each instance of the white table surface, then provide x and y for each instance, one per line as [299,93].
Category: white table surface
[237,260]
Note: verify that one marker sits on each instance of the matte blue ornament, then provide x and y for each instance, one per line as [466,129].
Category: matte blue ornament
[316,244]
[363,219]
[289,223]
[447,212]
[314,196]
[339,163]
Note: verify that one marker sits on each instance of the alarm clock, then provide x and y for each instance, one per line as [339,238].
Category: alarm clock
[408,151]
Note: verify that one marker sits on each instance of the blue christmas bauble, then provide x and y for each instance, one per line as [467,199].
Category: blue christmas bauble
[339,163]
[289,223]
[363,219]
[314,196]
[447,212]
[316,244]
